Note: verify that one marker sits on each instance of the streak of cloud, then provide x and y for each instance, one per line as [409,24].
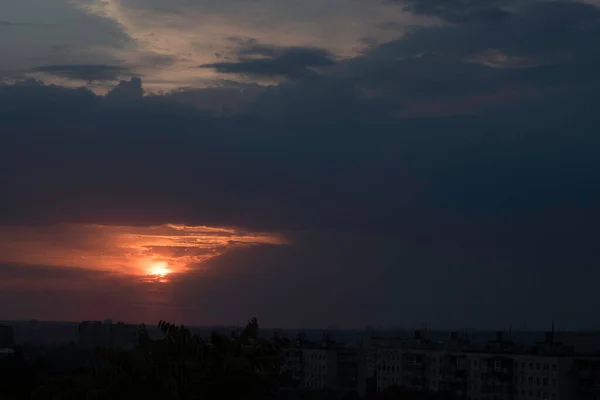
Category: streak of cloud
[121,249]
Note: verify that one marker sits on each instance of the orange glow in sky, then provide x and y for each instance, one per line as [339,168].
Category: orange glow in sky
[146,252]
[159,269]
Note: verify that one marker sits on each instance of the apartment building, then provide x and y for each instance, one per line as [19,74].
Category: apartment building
[498,370]
[409,363]
[586,378]
[327,365]
[294,365]
[544,376]
[450,373]
[320,368]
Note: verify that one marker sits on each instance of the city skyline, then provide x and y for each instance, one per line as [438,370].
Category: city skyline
[325,163]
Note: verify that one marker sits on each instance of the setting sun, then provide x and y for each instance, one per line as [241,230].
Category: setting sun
[159,269]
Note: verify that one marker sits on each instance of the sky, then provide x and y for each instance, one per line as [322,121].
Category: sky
[316,163]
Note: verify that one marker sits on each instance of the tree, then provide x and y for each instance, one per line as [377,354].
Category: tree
[181,366]
[17,377]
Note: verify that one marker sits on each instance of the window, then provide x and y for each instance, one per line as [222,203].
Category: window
[545,381]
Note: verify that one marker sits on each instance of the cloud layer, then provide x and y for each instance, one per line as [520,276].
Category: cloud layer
[269,61]
[455,163]
[123,250]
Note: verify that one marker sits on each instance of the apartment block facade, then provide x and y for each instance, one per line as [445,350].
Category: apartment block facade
[498,370]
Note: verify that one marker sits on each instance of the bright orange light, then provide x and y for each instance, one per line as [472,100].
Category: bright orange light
[149,253]
[159,269]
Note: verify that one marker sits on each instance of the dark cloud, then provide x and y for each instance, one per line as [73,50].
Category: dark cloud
[460,11]
[432,174]
[544,47]
[88,73]
[272,61]
[48,292]
[160,60]
[12,23]
[354,280]
[127,91]
[10,271]
[225,97]
[547,31]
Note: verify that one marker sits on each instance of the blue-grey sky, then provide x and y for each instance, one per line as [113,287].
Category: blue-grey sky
[315,163]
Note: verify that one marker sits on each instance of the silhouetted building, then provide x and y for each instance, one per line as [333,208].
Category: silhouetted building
[327,365]
[294,366]
[106,334]
[5,353]
[320,368]
[586,378]
[347,370]
[7,337]
[496,370]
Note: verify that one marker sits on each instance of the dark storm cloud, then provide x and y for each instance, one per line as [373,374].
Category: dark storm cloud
[499,194]
[550,31]
[353,280]
[145,161]
[459,11]
[10,271]
[317,152]
[272,61]
[85,72]
[544,47]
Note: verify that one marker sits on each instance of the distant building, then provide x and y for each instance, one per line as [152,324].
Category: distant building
[5,353]
[106,334]
[586,378]
[320,366]
[497,370]
[581,342]
[348,370]
[7,337]
[294,365]
[326,365]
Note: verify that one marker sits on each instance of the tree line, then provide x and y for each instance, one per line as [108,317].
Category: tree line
[179,366]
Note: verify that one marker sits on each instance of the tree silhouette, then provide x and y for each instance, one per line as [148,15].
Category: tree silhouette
[179,366]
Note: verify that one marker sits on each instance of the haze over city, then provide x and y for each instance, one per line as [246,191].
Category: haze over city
[323,163]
